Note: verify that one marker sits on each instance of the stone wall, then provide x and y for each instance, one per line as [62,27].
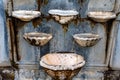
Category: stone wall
[24,55]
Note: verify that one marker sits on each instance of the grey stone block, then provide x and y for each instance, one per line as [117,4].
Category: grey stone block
[101,5]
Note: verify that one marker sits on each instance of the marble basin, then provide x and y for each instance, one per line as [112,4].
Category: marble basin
[63,16]
[62,66]
[86,39]
[26,15]
[100,16]
[37,38]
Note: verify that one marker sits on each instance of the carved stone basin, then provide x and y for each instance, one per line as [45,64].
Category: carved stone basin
[25,15]
[63,16]
[86,39]
[37,38]
[62,66]
[100,16]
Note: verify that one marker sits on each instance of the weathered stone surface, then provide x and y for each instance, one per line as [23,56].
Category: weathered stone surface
[27,5]
[83,75]
[5,3]
[112,75]
[7,74]
[101,5]
[117,6]
[115,54]
[118,17]
[4,55]
[62,41]
[24,74]
[91,73]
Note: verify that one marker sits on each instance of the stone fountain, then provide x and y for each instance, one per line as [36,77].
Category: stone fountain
[62,65]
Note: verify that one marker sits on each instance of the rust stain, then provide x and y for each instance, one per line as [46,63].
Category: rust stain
[75,21]
[10,75]
[81,2]
[45,2]
[79,21]
[92,23]
[39,4]
[82,19]
[111,75]
[18,23]
[65,28]
[39,20]
[67,74]
[36,22]
[48,17]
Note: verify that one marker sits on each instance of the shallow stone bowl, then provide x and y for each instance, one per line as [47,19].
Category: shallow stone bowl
[86,39]
[37,38]
[25,15]
[62,66]
[63,16]
[100,16]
